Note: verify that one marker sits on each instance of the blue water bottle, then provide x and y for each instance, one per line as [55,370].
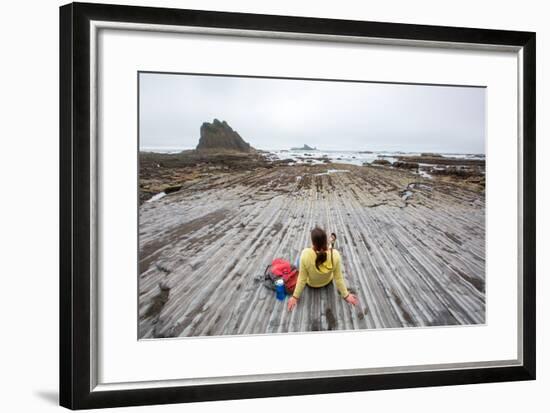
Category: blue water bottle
[280,289]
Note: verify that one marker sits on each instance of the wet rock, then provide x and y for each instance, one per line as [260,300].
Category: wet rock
[405,165]
[441,160]
[459,171]
[381,162]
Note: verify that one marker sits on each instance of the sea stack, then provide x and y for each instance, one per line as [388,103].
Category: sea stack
[220,137]
[304,148]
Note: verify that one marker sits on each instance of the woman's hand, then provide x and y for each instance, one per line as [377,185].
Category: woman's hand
[351,298]
[292,303]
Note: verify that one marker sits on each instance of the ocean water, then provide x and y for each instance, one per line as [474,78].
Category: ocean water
[313,157]
[163,149]
[352,157]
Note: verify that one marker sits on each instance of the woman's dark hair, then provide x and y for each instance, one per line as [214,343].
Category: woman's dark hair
[319,241]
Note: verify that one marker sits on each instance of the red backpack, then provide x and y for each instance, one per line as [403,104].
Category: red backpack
[280,268]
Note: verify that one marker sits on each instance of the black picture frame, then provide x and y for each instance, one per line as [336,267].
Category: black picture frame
[75,220]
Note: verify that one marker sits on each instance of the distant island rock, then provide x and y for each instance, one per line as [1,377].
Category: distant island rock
[304,148]
[219,136]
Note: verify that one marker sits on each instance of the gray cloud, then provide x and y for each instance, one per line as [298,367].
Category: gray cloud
[282,113]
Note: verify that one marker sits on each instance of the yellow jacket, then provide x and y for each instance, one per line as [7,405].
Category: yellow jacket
[328,271]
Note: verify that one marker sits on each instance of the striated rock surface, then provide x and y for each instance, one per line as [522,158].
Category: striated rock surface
[219,136]
[413,250]
[165,172]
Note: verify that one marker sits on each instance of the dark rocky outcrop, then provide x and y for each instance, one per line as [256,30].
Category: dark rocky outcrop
[304,148]
[381,162]
[405,165]
[218,136]
[440,160]
[462,171]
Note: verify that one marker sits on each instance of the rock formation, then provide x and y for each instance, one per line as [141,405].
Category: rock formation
[218,136]
[304,148]
[440,160]
[381,162]
[405,165]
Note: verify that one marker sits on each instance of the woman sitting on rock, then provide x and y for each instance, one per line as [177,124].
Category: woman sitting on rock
[319,265]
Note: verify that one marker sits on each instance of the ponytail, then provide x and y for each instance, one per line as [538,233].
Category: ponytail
[321,258]
[319,241]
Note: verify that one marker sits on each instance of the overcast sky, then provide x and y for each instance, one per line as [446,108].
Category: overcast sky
[282,113]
